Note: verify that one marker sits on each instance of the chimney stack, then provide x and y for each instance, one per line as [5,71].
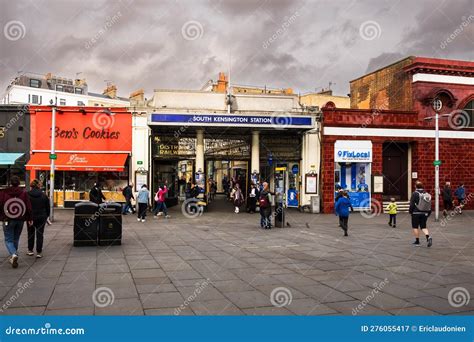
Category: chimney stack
[137,95]
[111,91]
[222,83]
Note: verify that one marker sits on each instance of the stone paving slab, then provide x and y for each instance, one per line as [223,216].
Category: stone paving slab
[222,264]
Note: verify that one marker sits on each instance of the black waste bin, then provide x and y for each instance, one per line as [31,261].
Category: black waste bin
[279,215]
[86,222]
[110,224]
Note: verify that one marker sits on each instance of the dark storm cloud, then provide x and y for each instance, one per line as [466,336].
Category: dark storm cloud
[182,43]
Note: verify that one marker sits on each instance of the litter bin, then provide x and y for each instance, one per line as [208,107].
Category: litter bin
[110,224]
[315,204]
[279,215]
[85,224]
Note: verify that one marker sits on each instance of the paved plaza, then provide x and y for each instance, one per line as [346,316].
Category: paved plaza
[223,264]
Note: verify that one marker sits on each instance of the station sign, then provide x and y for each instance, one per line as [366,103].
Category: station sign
[280,121]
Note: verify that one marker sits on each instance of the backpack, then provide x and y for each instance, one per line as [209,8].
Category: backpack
[263,201]
[424,202]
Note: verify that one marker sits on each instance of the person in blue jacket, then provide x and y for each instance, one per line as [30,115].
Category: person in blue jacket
[342,207]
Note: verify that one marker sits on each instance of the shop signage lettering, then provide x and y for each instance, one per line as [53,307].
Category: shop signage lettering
[285,121]
[87,133]
[353,155]
[75,159]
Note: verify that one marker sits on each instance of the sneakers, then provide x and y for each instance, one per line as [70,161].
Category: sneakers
[394,226]
[416,243]
[160,213]
[138,219]
[167,216]
[14,261]
[30,253]
[430,242]
[39,256]
[143,220]
[389,224]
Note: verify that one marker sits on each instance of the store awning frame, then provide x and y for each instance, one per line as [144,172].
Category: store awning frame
[8,158]
[102,162]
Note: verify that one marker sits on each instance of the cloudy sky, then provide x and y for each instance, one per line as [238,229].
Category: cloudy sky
[183,43]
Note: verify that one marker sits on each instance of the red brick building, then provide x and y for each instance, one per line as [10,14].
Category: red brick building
[383,145]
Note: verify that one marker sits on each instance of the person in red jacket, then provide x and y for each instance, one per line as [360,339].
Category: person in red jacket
[15,209]
[160,205]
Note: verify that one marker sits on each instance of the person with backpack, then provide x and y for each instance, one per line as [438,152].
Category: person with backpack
[160,205]
[461,196]
[447,198]
[420,209]
[96,195]
[264,203]
[392,209]
[127,192]
[40,210]
[342,207]
[143,199]
[15,209]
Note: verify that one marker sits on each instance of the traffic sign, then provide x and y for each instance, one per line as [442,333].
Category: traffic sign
[139,162]
[437,163]
[53,156]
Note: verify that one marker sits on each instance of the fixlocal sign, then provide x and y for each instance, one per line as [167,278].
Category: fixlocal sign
[353,151]
[283,120]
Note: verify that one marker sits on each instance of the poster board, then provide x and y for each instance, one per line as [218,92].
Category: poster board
[140,179]
[377,184]
[311,183]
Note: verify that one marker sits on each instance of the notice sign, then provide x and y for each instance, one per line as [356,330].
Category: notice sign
[311,181]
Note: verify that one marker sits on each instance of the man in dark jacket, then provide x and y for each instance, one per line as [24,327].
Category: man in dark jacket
[127,192]
[447,198]
[420,209]
[15,209]
[40,209]
[96,195]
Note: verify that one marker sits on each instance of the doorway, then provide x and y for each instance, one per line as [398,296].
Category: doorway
[395,170]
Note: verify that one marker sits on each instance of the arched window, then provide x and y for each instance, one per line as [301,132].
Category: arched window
[469,110]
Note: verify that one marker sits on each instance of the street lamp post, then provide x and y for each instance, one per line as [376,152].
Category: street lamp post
[52,166]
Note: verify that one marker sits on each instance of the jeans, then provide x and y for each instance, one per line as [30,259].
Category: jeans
[265,220]
[393,218]
[142,207]
[128,205]
[344,223]
[38,229]
[160,206]
[12,232]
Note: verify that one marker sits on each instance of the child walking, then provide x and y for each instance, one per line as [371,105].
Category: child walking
[392,212]
[143,199]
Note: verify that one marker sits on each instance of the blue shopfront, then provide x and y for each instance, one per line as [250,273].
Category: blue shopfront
[352,170]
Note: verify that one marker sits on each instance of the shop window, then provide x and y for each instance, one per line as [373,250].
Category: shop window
[469,110]
[59,87]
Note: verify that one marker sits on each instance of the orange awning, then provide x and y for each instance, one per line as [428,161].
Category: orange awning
[79,161]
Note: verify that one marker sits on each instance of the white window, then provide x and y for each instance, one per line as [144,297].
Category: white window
[34,99]
[62,102]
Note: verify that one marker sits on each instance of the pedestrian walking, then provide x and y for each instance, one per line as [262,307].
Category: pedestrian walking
[143,199]
[15,209]
[160,205]
[461,196]
[253,194]
[127,192]
[420,209]
[40,212]
[392,209]
[264,202]
[96,195]
[237,198]
[343,205]
[340,193]
[447,198]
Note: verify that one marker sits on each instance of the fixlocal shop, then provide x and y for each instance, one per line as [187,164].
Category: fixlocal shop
[352,170]
[92,145]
